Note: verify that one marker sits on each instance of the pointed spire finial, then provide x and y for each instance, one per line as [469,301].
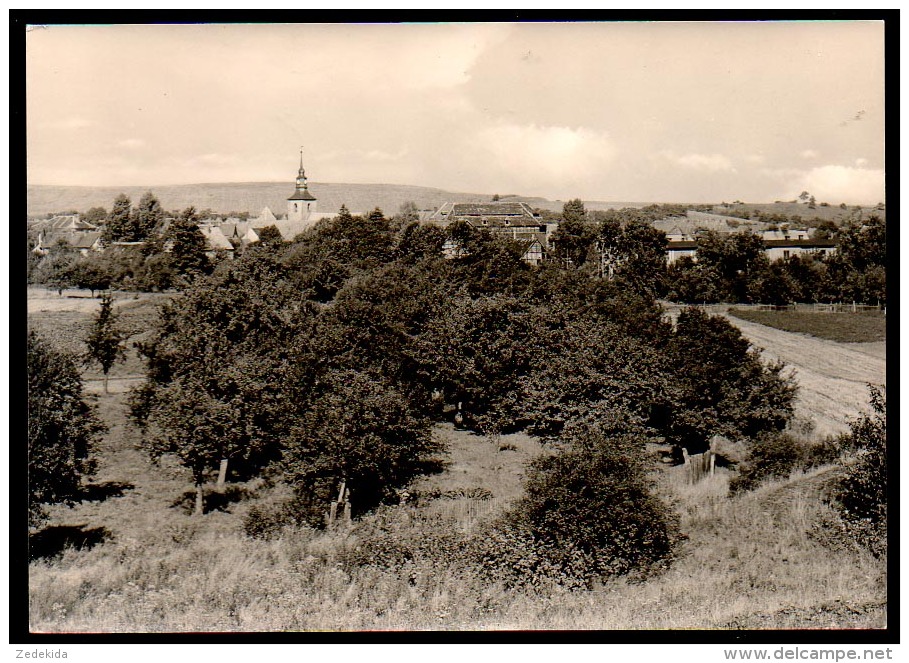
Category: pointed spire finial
[301,157]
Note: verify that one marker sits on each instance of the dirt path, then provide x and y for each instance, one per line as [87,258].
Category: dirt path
[832,376]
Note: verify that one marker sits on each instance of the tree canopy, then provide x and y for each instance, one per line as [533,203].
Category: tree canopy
[62,428]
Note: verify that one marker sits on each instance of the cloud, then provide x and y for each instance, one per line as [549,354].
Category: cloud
[808,154]
[132,143]
[712,163]
[542,159]
[844,184]
[860,162]
[831,183]
[755,158]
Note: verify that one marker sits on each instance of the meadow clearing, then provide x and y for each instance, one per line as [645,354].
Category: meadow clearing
[131,558]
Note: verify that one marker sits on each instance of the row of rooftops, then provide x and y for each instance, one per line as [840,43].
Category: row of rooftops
[514,218]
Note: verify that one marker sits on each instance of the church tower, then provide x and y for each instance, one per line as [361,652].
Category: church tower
[302,203]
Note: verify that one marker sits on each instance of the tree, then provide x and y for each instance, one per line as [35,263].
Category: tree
[812,203]
[407,213]
[574,236]
[773,284]
[826,230]
[734,259]
[149,216]
[720,385]
[804,196]
[187,254]
[119,222]
[90,275]
[225,364]
[583,370]
[418,242]
[476,351]
[270,236]
[691,282]
[57,267]
[105,340]
[61,428]
[357,429]
[635,253]
[95,215]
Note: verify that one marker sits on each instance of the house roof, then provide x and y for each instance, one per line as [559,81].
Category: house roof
[491,209]
[265,216]
[800,243]
[449,211]
[215,239]
[528,243]
[676,246]
[63,222]
[85,240]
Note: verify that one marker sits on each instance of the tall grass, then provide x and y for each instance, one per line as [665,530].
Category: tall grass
[751,555]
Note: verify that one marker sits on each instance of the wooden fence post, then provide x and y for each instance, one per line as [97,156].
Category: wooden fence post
[222,473]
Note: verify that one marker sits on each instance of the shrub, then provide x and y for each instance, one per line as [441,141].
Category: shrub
[267,521]
[771,455]
[778,455]
[393,540]
[862,493]
[588,513]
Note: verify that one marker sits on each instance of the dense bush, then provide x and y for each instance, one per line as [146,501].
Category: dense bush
[588,513]
[772,455]
[778,455]
[862,493]
[395,540]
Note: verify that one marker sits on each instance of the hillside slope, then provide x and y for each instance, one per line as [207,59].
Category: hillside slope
[253,196]
[832,376]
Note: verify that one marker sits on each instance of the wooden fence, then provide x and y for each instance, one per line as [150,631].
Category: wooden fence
[467,512]
[838,307]
[699,466]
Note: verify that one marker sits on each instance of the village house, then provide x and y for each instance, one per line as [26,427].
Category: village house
[779,243]
[216,244]
[69,230]
[515,220]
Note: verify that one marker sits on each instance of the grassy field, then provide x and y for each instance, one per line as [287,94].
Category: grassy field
[831,212]
[863,327]
[65,321]
[131,558]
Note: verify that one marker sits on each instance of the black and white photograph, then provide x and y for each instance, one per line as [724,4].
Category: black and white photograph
[438,326]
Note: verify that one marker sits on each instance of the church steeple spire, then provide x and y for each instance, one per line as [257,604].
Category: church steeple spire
[301,176]
[302,203]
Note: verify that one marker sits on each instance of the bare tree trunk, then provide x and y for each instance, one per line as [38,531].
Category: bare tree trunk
[105,384]
[199,502]
[222,473]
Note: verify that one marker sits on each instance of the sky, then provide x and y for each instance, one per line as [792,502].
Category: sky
[643,112]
